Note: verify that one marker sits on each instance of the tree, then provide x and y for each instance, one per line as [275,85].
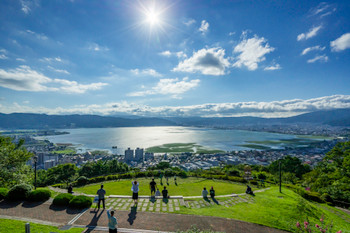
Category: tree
[13,158]
[290,164]
[63,173]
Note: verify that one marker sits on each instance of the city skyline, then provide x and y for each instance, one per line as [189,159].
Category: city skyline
[182,58]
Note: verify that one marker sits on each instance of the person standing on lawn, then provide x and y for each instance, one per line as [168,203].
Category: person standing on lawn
[153,186]
[135,191]
[101,196]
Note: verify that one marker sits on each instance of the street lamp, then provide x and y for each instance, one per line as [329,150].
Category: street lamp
[280,176]
[35,159]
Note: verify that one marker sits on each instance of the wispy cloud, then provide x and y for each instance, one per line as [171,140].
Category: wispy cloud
[51,59]
[319,58]
[189,22]
[26,6]
[273,67]
[3,53]
[20,59]
[208,61]
[283,108]
[173,87]
[204,26]
[179,54]
[341,43]
[58,70]
[314,48]
[311,33]
[323,9]
[39,36]
[146,72]
[251,51]
[24,78]
[97,48]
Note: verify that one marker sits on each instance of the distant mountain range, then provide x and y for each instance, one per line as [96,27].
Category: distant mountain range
[339,117]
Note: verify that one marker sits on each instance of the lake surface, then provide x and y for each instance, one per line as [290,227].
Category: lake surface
[144,137]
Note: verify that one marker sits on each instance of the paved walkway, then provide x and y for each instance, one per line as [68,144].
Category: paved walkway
[129,220]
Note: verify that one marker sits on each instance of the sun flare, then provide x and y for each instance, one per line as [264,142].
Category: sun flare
[152,17]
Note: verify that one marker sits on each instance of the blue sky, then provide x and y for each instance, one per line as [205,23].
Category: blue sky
[174,58]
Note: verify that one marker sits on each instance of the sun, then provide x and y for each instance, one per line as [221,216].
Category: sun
[152,17]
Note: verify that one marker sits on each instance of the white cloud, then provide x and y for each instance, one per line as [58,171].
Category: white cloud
[282,108]
[179,54]
[24,78]
[204,26]
[97,48]
[314,48]
[58,70]
[320,58]
[252,51]
[341,43]
[231,33]
[146,72]
[20,59]
[323,9]
[312,32]
[273,67]
[189,22]
[25,6]
[208,61]
[166,53]
[3,57]
[51,59]
[37,35]
[173,87]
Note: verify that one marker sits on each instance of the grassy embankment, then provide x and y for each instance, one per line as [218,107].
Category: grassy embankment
[185,187]
[173,148]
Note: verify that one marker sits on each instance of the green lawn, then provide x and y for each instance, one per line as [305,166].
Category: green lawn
[13,226]
[185,187]
[278,211]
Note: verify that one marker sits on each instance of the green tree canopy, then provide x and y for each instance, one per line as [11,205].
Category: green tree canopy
[290,164]
[13,158]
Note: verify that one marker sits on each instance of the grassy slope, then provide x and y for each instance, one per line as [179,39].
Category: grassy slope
[13,226]
[276,210]
[184,187]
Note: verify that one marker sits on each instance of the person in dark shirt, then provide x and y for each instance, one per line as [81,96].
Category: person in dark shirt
[212,192]
[165,192]
[70,189]
[153,186]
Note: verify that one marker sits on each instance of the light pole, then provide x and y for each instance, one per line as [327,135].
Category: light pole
[280,175]
[35,159]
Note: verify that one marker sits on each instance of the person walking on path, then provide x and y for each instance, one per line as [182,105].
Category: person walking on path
[153,186]
[135,191]
[101,196]
[112,222]
[205,193]
[212,192]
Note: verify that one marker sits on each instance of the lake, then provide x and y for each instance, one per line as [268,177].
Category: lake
[144,137]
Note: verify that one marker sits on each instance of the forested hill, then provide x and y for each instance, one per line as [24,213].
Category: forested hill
[43,121]
[339,117]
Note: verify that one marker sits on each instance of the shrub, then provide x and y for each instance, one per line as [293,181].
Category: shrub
[39,195]
[313,196]
[62,199]
[254,182]
[82,180]
[237,179]
[3,193]
[97,179]
[19,192]
[112,177]
[80,202]
[327,198]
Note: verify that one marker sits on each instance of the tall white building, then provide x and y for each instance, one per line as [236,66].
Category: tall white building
[129,155]
[139,155]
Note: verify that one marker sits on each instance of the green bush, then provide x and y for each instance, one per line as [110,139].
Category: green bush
[39,195]
[62,199]
[19,192]
[97,179]
[82,181]
[327,198]
[313,196]
[112,177]
[3,193]
[254,182]
[80,202]
[237,179]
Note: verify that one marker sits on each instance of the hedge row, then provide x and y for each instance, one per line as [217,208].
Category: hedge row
[82,180]
[308,195]
[67,199]
[23,192]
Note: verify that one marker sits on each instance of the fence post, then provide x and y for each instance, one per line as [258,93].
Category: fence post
[27,227]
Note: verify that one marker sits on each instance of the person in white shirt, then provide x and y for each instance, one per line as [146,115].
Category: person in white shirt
[135,191]
[112,222]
